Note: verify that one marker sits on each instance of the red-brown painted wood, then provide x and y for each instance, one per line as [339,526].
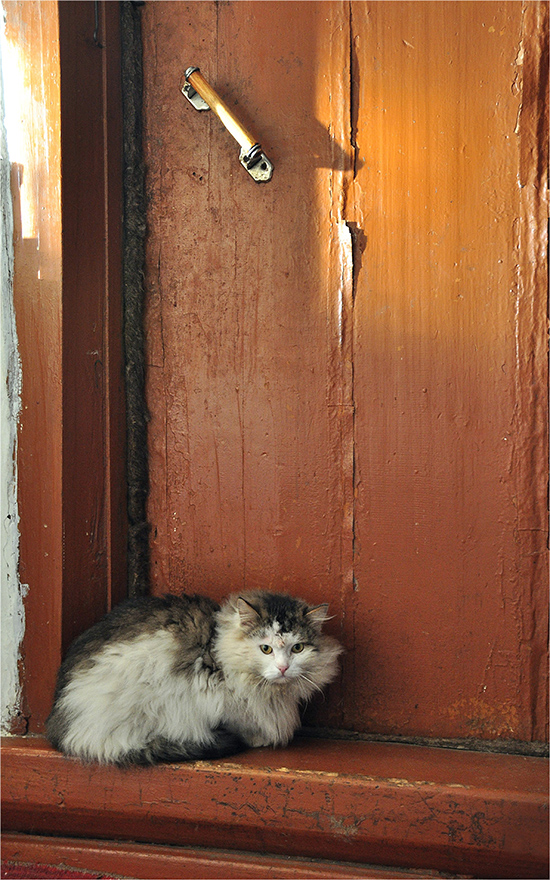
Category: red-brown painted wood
[347,365]
[177,863]
[244,486]
[247,485]
[93,397]
[407,806]
[450,610]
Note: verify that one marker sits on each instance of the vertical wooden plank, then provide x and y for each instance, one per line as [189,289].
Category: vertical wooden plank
[531,374]
[133,260]
[93,436]
[244,322]
[83,325]
[444,591]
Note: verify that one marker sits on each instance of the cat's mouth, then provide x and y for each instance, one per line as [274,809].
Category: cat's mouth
[281,678]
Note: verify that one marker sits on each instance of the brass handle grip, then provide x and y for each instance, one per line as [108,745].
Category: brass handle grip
[251,156]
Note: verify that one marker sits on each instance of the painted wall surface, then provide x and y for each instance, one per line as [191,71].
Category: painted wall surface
[347,365]
[10,403]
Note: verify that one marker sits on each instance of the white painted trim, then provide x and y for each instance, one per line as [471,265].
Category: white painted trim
[12,592]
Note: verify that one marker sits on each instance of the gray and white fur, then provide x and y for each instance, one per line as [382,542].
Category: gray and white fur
[180,678]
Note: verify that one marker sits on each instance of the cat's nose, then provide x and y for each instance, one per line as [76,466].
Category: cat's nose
[282,669]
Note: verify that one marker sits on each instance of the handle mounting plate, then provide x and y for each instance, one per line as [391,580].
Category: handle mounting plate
[256,163]
[251,157]
[191,94]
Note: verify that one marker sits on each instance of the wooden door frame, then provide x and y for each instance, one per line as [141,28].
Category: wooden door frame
[71,462]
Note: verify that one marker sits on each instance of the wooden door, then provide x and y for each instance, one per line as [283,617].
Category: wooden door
[346,365]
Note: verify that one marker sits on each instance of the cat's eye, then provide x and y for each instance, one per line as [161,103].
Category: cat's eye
[266,649]
[298,648]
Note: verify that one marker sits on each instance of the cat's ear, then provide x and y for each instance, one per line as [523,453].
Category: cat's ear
[247,613]
[318,615]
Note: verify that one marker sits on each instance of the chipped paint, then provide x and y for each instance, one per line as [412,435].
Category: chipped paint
[479,810]
[13,616]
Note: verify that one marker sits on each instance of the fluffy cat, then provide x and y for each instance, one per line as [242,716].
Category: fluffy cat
[180,678]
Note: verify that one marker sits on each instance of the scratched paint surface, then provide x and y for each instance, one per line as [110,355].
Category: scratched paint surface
[336,358]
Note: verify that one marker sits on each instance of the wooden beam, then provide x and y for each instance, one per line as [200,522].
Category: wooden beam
[375,803]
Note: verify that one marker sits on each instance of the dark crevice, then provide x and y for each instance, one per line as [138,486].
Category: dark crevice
[501,747]
[133,270]
[358,246]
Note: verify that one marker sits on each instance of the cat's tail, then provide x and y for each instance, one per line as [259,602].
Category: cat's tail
[162,750]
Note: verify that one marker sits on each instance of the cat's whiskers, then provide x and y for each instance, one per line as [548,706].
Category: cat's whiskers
[311,682]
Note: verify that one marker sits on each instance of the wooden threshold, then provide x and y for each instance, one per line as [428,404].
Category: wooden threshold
[382,804]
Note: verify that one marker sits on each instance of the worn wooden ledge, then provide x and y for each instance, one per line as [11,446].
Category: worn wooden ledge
[469,813]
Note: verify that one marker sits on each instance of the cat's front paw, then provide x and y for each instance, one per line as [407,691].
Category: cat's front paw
[258,742]
[267,742]
[226,743]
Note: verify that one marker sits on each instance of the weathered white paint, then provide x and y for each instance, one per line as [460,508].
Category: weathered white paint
[13,618]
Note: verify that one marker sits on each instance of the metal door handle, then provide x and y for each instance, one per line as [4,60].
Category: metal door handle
[203,97]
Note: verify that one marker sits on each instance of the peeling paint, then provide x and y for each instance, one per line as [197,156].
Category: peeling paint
[346,827]
[13,617]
